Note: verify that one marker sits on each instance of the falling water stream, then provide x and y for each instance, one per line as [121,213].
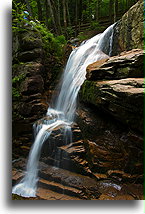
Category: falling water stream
[63,110]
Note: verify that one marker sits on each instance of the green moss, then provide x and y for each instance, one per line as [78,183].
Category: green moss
[17,197]
[88,92]
[15,93]
[51,44]
[16,81]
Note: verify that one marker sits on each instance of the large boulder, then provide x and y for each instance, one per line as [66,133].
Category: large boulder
[128,32]
[27,46]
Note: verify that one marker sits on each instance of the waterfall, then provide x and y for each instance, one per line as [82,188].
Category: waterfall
[63,111]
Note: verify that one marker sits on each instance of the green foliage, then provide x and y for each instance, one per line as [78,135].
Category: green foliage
[15,93]
[18,17]
[33,5]
[70,32]
[94,25]
[52,45]
[82,36]
[16,81]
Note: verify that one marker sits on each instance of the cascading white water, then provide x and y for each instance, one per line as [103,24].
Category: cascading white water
[64,109]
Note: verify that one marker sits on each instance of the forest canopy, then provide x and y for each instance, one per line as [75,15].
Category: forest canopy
[68,16]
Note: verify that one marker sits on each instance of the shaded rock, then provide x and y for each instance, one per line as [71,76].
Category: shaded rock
[110,146]
[32,98]
[31,55]
[124,177]
[113,191]
[28,109]
[32,85]
[34,78]
[127,64]
[28,68]
[30,40]
[123,99]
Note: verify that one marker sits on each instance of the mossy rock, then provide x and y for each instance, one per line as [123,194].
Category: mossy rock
[30,40]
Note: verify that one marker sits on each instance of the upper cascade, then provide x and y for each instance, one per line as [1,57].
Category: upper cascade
[96,48]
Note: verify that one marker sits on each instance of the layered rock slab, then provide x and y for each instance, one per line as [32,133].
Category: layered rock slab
[126,65]
[113,151]
[123,99]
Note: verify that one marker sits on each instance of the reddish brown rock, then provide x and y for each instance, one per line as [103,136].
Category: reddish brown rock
[32,85]
[111,149]
[123,99]
[127,64]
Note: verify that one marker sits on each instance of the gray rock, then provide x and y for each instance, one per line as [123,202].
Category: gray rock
[128,33]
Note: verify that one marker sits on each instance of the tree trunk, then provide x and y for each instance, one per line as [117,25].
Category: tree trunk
[110,10]
[46,13]
[115,10]
[80,12]
[97,10]
[52,16]
[58,10]
[56,17]
[64,14]
[76,19]
[40,18]
[68,14]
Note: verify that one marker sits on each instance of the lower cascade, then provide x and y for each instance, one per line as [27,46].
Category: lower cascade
[62,112]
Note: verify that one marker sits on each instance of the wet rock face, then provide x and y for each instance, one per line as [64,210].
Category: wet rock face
[111,149]
[128,32]
[116,86]
[66,150]
[59,184]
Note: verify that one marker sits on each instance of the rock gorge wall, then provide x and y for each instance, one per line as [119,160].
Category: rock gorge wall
[111,118]
[34,77]
[111,111]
